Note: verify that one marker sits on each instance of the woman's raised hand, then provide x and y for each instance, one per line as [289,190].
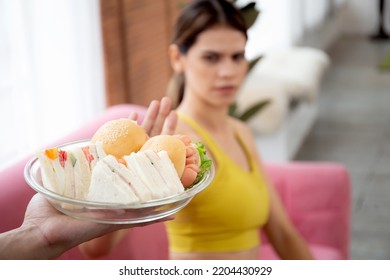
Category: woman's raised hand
[159,118]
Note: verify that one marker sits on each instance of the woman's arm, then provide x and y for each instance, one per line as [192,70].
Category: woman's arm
[281,232]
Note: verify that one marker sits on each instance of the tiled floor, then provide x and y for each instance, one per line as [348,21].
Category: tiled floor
[354,128]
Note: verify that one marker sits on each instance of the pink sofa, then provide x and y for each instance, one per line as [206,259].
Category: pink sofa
[316,196]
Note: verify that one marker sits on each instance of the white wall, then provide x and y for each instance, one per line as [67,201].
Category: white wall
[361,17]
[284,23]
[271,29]
[51,71]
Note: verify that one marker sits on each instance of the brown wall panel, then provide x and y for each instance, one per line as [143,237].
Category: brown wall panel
[113,45]
[136,36]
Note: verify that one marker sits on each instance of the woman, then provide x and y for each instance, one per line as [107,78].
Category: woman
[223,221]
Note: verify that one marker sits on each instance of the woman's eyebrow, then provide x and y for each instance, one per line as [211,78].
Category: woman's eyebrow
[221,53]
[211,52]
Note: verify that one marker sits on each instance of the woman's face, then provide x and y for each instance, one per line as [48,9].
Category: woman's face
[214,67]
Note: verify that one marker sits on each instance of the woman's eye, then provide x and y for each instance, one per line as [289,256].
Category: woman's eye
[238,57]
[211,58]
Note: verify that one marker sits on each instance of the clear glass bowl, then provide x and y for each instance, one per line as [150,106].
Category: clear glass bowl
[108,212]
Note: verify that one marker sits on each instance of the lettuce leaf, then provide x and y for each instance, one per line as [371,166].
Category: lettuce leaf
[205,162]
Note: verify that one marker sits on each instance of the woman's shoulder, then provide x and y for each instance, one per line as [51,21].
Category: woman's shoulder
[240,127]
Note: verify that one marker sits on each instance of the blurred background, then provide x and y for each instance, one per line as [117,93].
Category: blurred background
[63,62]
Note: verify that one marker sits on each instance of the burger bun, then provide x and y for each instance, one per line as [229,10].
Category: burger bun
[120,137]
[175,148]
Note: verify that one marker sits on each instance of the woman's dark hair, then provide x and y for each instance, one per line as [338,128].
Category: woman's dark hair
[196,17]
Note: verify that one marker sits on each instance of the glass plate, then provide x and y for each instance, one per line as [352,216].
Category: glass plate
[108,212]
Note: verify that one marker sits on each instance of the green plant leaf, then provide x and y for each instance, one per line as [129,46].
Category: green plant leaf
[233,109]
[251,111]
[250,13]
[253,62]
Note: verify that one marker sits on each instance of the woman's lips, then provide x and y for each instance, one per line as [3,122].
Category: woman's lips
[226,90]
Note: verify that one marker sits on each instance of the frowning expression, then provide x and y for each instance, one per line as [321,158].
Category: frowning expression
[215,66]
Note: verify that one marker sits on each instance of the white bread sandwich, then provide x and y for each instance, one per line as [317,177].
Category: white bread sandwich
[68,172]
[53,170]
[155,170]
[140,165]
[130,177]
[82,171]
[140,179]
[190,160]
[109,187]
[166,168]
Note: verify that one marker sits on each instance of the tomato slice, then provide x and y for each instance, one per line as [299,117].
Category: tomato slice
[63,156]
[88,156]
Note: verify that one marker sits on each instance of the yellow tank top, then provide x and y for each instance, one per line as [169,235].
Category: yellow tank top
[227,215]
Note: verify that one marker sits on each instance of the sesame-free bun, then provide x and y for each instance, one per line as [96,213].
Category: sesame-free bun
[175,148]
[120,137]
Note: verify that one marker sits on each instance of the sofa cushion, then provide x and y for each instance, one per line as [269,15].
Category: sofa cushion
[283,77]
[271,117]
[298,69]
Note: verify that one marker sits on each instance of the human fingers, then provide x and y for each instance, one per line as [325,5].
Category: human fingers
[150,116]
[163,113]
[170,124]
[133,116]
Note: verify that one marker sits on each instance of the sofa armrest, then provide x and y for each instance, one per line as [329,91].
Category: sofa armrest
[317,199]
